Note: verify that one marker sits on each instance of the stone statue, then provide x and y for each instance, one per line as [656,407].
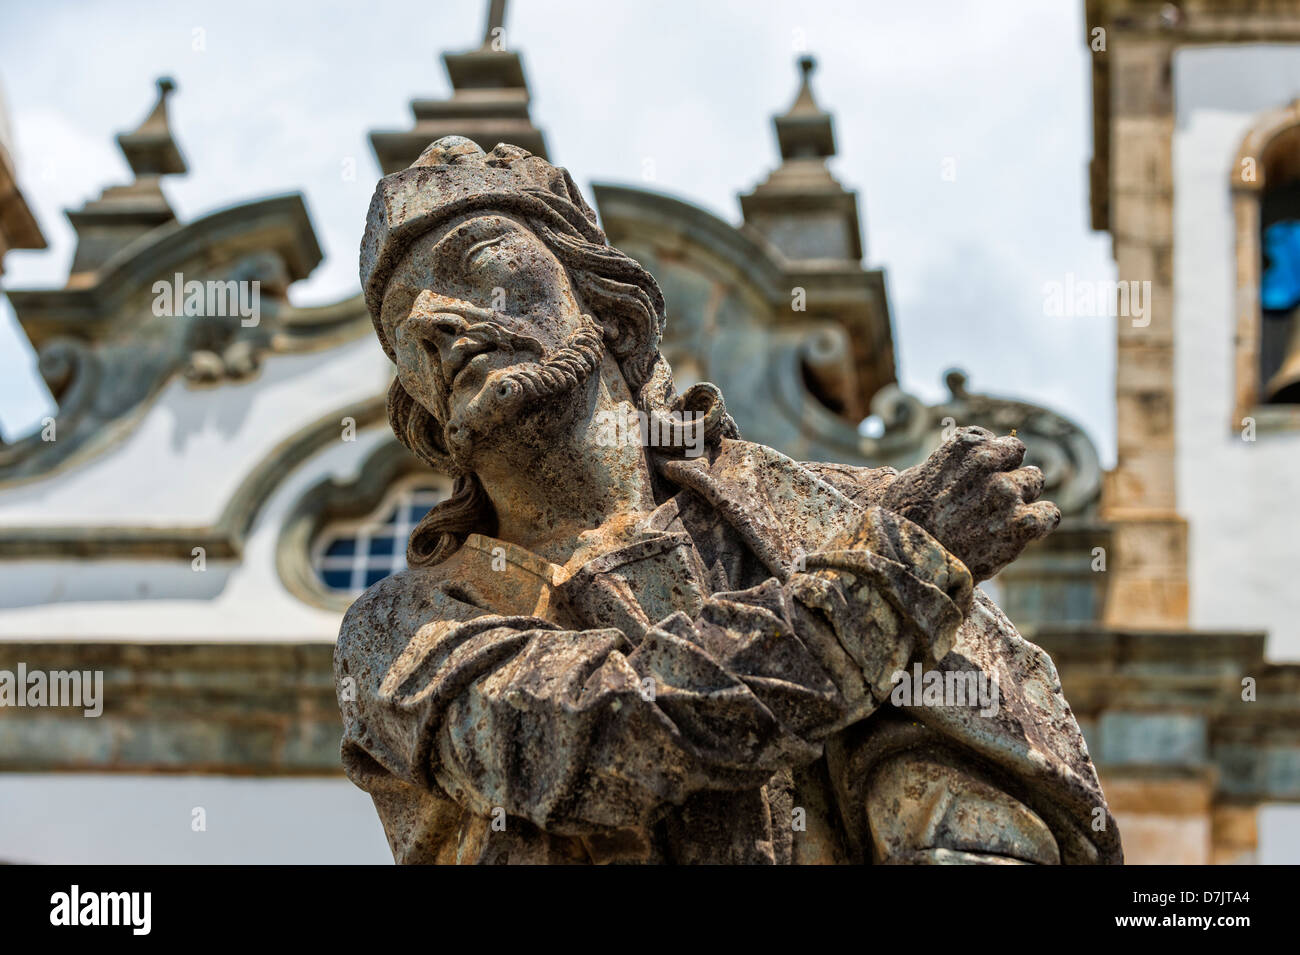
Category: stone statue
[630,635]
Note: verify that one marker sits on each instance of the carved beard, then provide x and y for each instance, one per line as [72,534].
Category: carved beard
[532,397]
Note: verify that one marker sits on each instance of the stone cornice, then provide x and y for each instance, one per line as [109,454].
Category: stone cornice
[107,353]
[279,224]
[836,290]
[270,709]
[18,227]
[224,708]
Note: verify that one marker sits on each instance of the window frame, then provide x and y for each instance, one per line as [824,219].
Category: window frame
[1248,182]
[388,470]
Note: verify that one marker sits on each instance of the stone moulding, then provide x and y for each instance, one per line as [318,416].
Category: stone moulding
[753,261]
[107,357]
[269,709]
[18,227]
[1251,747]
[231,709]
[744,260]
[279,223]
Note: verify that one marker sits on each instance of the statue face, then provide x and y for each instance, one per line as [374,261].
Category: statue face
[475,309]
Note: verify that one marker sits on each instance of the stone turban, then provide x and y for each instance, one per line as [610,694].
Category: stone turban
[454,176]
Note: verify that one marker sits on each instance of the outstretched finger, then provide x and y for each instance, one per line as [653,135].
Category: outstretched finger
[1035,521]
[998,454]
[960,444]
[1029,481]
[1014,488]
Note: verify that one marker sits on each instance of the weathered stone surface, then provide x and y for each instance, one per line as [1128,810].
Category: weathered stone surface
[667,644]
[241,709]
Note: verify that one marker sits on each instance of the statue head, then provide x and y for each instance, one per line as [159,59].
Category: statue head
[496,294]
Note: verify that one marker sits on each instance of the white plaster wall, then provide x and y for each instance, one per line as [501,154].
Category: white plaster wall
[81,819]
[1241,499]
[166,600]
[183,461]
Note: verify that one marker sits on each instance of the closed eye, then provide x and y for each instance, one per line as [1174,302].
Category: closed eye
[478,247]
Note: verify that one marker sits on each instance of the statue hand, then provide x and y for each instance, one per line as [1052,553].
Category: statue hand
[976,499]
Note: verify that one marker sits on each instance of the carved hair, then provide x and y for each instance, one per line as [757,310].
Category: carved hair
[626,301]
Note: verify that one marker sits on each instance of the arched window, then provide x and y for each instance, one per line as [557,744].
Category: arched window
[350,556]
[1266,205]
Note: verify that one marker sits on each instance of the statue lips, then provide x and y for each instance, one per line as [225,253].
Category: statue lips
[480,339]
[464,351]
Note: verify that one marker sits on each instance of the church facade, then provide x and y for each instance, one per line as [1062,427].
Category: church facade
[267,490]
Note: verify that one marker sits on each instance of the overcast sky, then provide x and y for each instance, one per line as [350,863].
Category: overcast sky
[278,97]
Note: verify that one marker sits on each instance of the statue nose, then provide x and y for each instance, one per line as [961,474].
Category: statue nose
[442,333]
[445,328]
[463,351]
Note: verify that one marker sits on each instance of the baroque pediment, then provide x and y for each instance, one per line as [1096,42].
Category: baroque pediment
[205,301]
[801,379]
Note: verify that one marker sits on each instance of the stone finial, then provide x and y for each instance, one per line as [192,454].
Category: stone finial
[151,149]
[804,130]
[801,208]
[124,213]
[496,21]
[804,214]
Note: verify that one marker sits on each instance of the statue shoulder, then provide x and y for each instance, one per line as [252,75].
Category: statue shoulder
[391,612]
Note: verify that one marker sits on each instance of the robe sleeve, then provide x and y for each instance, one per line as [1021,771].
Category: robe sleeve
[864,486]
[579,731]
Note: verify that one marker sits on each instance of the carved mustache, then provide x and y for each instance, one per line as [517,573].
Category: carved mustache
[528,384]
[480,338]
[501,337]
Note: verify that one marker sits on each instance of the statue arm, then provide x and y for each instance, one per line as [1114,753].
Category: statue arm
[579,731]
[862,485]
[971,493]
[583,730]
[890,593]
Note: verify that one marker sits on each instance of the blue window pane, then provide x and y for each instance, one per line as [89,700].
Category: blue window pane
[378,542]
[343,547]
[1280,285]
[337,579]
